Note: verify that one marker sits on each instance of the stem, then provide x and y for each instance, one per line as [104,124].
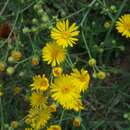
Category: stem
[86,45]
[2,115]
[87,12]
[4,7]
[61,117]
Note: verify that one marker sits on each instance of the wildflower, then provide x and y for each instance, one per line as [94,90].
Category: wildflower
[64,34]
[40,83]
[64,92]
[14,124]
[16,55]
[53,54]
[2,66]
[54,127]
[34,60]
[57,71]
[123,25]
[53,107]
[38,100]
[77,121]
[92,62]
[81,79]
[101,75]
[38,118]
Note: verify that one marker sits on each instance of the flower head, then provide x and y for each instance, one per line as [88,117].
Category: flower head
[64,34]
[81,79]
[53,54]
[40,83]
[65,93]
[55,127]
[57,71]
[123,25]
[38,118]
[38,100]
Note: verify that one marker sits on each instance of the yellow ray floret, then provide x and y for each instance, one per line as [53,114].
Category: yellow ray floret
[64,34]
[81,79]
[123,25]
[65,93]
[53,54]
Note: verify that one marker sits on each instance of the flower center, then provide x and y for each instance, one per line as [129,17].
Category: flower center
[54,53]
[65,90]
[42,83]
[65,35]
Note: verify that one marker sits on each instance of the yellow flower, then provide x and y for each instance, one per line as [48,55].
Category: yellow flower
[53,54]
[38,118]
[57,71]
[77,122]
[54,127]
[81,79]
[16,55]
[64,34]
[40,83]
[38,100]
[123,25]
[64,92]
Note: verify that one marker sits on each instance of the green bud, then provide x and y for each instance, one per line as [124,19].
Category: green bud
[113,9]
[45,18]
[126,115]
[122,48]
[26,30]
[34,29]
[92,62]
[10,71]
[40,11]
[34,21]
[10,59]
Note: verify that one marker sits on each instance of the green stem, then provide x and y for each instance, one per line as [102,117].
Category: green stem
[4,7]
[87,12]
[61,117]
[2,115]
[86,45]
[20,62]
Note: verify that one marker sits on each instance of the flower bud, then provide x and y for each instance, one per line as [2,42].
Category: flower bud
[101,75]
[92,62]
[10,71]
[77,121]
